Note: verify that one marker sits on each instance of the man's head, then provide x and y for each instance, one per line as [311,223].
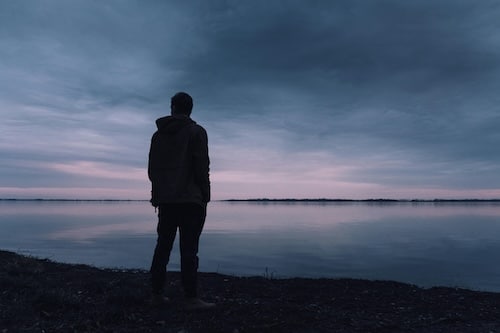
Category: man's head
[181,103]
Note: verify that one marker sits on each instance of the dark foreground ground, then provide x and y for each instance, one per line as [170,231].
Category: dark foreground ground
[43,296]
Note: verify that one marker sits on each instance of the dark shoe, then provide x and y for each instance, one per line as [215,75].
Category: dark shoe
[158,300]
[197,304]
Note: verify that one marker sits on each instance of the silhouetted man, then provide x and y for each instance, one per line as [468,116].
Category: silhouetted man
[179,172]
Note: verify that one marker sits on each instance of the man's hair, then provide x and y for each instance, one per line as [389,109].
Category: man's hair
[183,103]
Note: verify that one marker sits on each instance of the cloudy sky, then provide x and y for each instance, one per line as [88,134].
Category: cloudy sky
[335,99]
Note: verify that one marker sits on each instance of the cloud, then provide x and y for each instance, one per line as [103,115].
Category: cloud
[99,170]
[359,95]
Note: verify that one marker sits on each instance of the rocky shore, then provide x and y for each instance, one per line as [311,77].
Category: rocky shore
[38,295]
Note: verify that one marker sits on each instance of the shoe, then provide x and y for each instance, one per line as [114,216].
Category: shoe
[197,304]
[159,299]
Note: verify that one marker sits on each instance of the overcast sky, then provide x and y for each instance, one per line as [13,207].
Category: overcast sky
[305,99]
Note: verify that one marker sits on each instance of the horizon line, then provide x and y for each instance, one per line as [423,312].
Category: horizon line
[275,200]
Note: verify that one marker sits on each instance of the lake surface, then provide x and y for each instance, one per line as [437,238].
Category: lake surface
[428,244]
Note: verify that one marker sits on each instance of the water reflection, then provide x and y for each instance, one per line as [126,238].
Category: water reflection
[427,244]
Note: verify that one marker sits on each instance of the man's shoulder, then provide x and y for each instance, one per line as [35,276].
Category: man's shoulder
[155,134]
[197,128]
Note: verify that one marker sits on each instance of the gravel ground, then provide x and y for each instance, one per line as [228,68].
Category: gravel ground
[38,295]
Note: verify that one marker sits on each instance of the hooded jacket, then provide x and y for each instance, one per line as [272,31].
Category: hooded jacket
[178,165]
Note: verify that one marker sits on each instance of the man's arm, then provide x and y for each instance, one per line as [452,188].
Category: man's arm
[150,158]
[202,162]
[150,171]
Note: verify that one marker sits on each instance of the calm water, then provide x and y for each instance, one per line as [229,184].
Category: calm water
[451,244]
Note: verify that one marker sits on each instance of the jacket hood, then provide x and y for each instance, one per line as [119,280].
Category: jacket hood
[172,124]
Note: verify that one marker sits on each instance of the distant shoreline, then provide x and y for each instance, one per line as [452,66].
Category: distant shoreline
[267,200]
[362,200]
[73,200]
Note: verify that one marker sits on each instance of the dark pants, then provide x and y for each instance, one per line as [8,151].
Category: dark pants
[189,218]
